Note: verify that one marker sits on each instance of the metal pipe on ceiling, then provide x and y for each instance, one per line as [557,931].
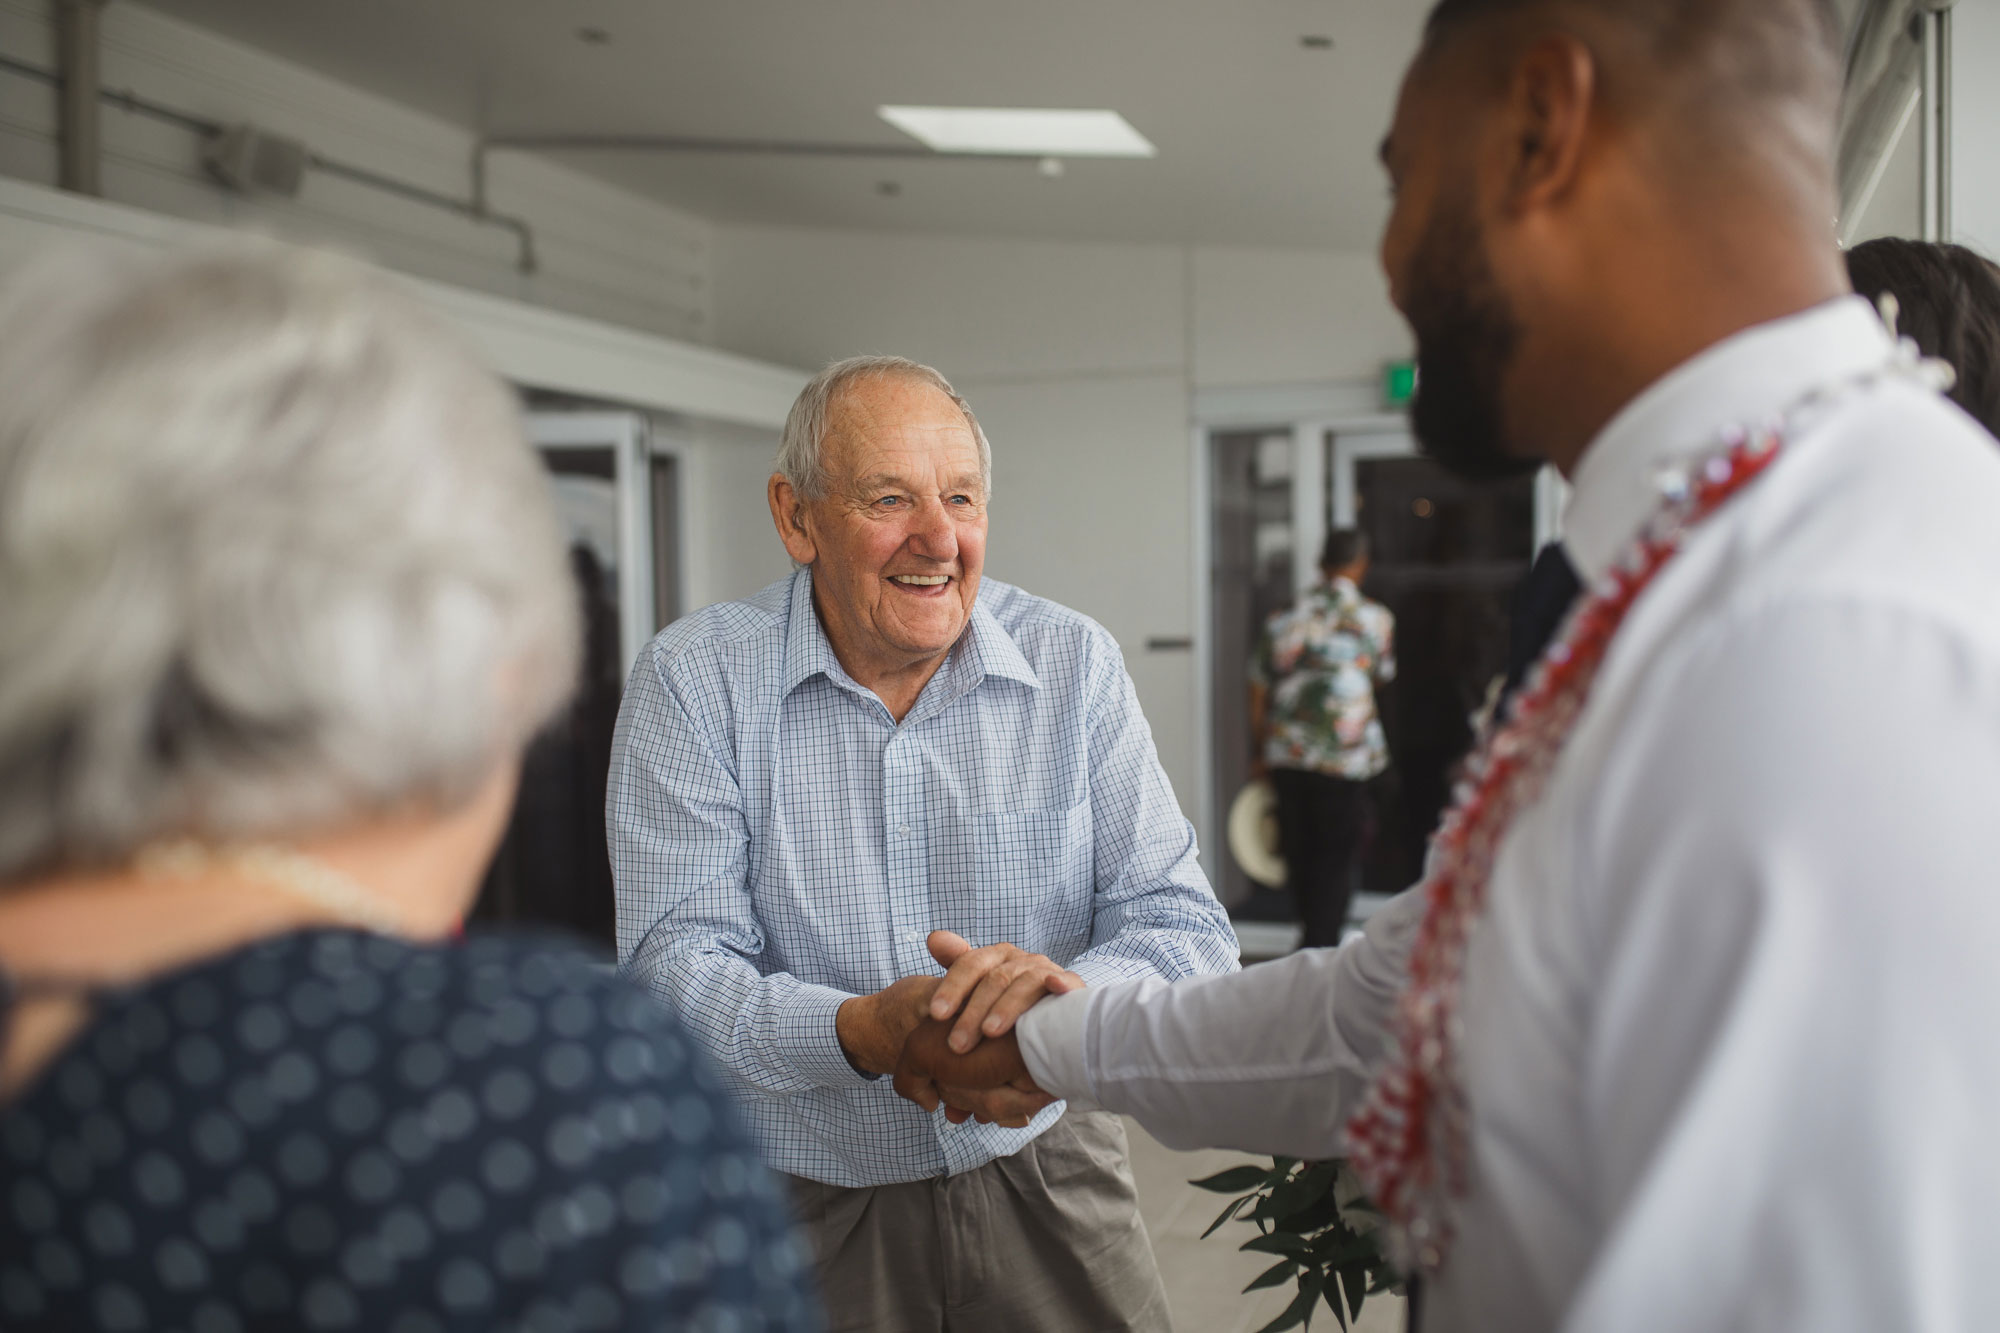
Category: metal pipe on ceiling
[526,258]
[79,144]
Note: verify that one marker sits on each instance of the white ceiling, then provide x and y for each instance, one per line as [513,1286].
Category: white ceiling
[1262,141]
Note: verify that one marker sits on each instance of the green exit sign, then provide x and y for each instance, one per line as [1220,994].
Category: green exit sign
[1399,383]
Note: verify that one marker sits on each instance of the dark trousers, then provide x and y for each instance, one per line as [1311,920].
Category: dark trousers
[1320,822]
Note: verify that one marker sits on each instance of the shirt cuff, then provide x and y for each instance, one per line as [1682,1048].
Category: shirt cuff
[808,1039]
[1053,1037]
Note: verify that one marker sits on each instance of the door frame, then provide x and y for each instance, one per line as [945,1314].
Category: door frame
[629,437]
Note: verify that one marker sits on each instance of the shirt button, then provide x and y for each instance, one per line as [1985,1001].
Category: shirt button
[903,830]
[912,936]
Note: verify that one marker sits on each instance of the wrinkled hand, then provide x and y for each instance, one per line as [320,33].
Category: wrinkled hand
[994,985]
[873,1028]
[990,1084]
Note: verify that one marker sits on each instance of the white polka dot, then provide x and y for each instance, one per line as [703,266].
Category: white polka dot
[213,1316]
[253,1196]
[292,1077]
[351,1050]
[252,1101]
[629,1059]
[217,1138]
[451,1115]
[57,1264]
[80,1085]
[571,1142]
[311,1003]
[572,1015]
[690,1120]
[596,1207]
[728,1240]
[108,1228]
[457,1206]
[158,1180]
[329,1304]
[641,1272]
[354,1109]
[303,1159]
[311,1230]
[366,1262]
[181,1266]
[405,1234]
[118,1309]
[198,1059]
[513,1022]
[424,1065]
[261,1028]
[217,1226]
[508,1093]
[372,1176]
[519,1255]
[464,1285]
[359,993]
[409,1137]
[467,1036]
[507,1166]
[566,1066]
[594,1307]
[197,1003]
[644,1199]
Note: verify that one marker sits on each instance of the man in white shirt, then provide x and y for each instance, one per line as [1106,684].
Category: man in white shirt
[1726,1019]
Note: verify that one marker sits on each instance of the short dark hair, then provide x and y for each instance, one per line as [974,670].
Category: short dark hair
[1343,547]
[1739,49]
[1948,302]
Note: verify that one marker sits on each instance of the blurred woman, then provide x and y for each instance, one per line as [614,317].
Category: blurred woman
[1948,302]
[281,602]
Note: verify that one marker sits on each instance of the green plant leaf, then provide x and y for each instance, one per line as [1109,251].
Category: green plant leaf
[1332,1294]
[1225,1215]
[1354,1282]
[1279,1242]
[1235,1179]
[1277,1273]
[1302,1192]
[1299,1311]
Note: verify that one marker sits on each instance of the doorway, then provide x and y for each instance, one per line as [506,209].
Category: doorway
[617,497]
[1447,555]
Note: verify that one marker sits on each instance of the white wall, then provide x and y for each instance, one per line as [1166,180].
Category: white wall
[1082,361]
[729,545]
[605,253]
[1975,128]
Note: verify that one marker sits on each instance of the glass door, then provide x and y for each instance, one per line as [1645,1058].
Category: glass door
[617,500]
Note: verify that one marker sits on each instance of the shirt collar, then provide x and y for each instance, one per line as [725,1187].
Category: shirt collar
[984,649]
[1743,380]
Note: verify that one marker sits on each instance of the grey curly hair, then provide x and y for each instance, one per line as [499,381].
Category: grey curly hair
[274,554]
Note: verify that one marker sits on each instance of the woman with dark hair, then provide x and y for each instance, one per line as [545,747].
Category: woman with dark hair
[1949,303]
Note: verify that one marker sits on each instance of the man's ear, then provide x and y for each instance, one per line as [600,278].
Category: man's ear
[788,511]
[1550,102]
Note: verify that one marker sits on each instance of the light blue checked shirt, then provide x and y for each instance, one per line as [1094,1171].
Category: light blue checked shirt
[781,845]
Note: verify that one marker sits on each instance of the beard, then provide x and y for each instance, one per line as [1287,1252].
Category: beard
[1466,338]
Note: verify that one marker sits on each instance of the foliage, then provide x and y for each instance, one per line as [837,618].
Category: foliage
[1312,1216]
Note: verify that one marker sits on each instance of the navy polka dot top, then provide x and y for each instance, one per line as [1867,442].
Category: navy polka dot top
[333,1130]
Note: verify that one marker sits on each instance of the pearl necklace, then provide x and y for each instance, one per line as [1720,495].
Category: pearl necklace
[305,878]
[1408,1142]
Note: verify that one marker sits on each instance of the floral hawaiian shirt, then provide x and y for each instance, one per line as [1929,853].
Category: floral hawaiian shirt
[1321,662]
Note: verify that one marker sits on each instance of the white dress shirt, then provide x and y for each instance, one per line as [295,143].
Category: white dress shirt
[1732,1019]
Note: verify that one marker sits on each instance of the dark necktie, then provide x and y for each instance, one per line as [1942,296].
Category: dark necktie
[1540,604]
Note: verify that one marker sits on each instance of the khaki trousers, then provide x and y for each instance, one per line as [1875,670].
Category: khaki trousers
[1046,1241]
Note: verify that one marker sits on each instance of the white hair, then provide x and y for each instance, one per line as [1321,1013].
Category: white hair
[802,453]
[274,555]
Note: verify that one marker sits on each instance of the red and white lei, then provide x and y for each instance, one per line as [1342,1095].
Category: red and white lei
[1408,1142]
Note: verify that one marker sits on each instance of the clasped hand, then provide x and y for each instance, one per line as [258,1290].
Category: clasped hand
[949,1040]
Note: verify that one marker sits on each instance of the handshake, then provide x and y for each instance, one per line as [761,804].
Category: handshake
[949,1041]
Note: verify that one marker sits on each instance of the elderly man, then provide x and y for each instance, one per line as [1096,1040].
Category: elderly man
[823,796]
[1692,1026]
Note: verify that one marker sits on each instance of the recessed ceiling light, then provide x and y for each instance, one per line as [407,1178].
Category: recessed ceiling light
[1029,133]
[888,189]
[1316,41]
[593,36]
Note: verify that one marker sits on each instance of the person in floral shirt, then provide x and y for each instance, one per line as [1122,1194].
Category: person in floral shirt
[1316,729]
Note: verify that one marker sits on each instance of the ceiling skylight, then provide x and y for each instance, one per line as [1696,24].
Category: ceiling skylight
[1020,131]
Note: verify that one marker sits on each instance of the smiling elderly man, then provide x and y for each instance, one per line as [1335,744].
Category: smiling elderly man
[824,797]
